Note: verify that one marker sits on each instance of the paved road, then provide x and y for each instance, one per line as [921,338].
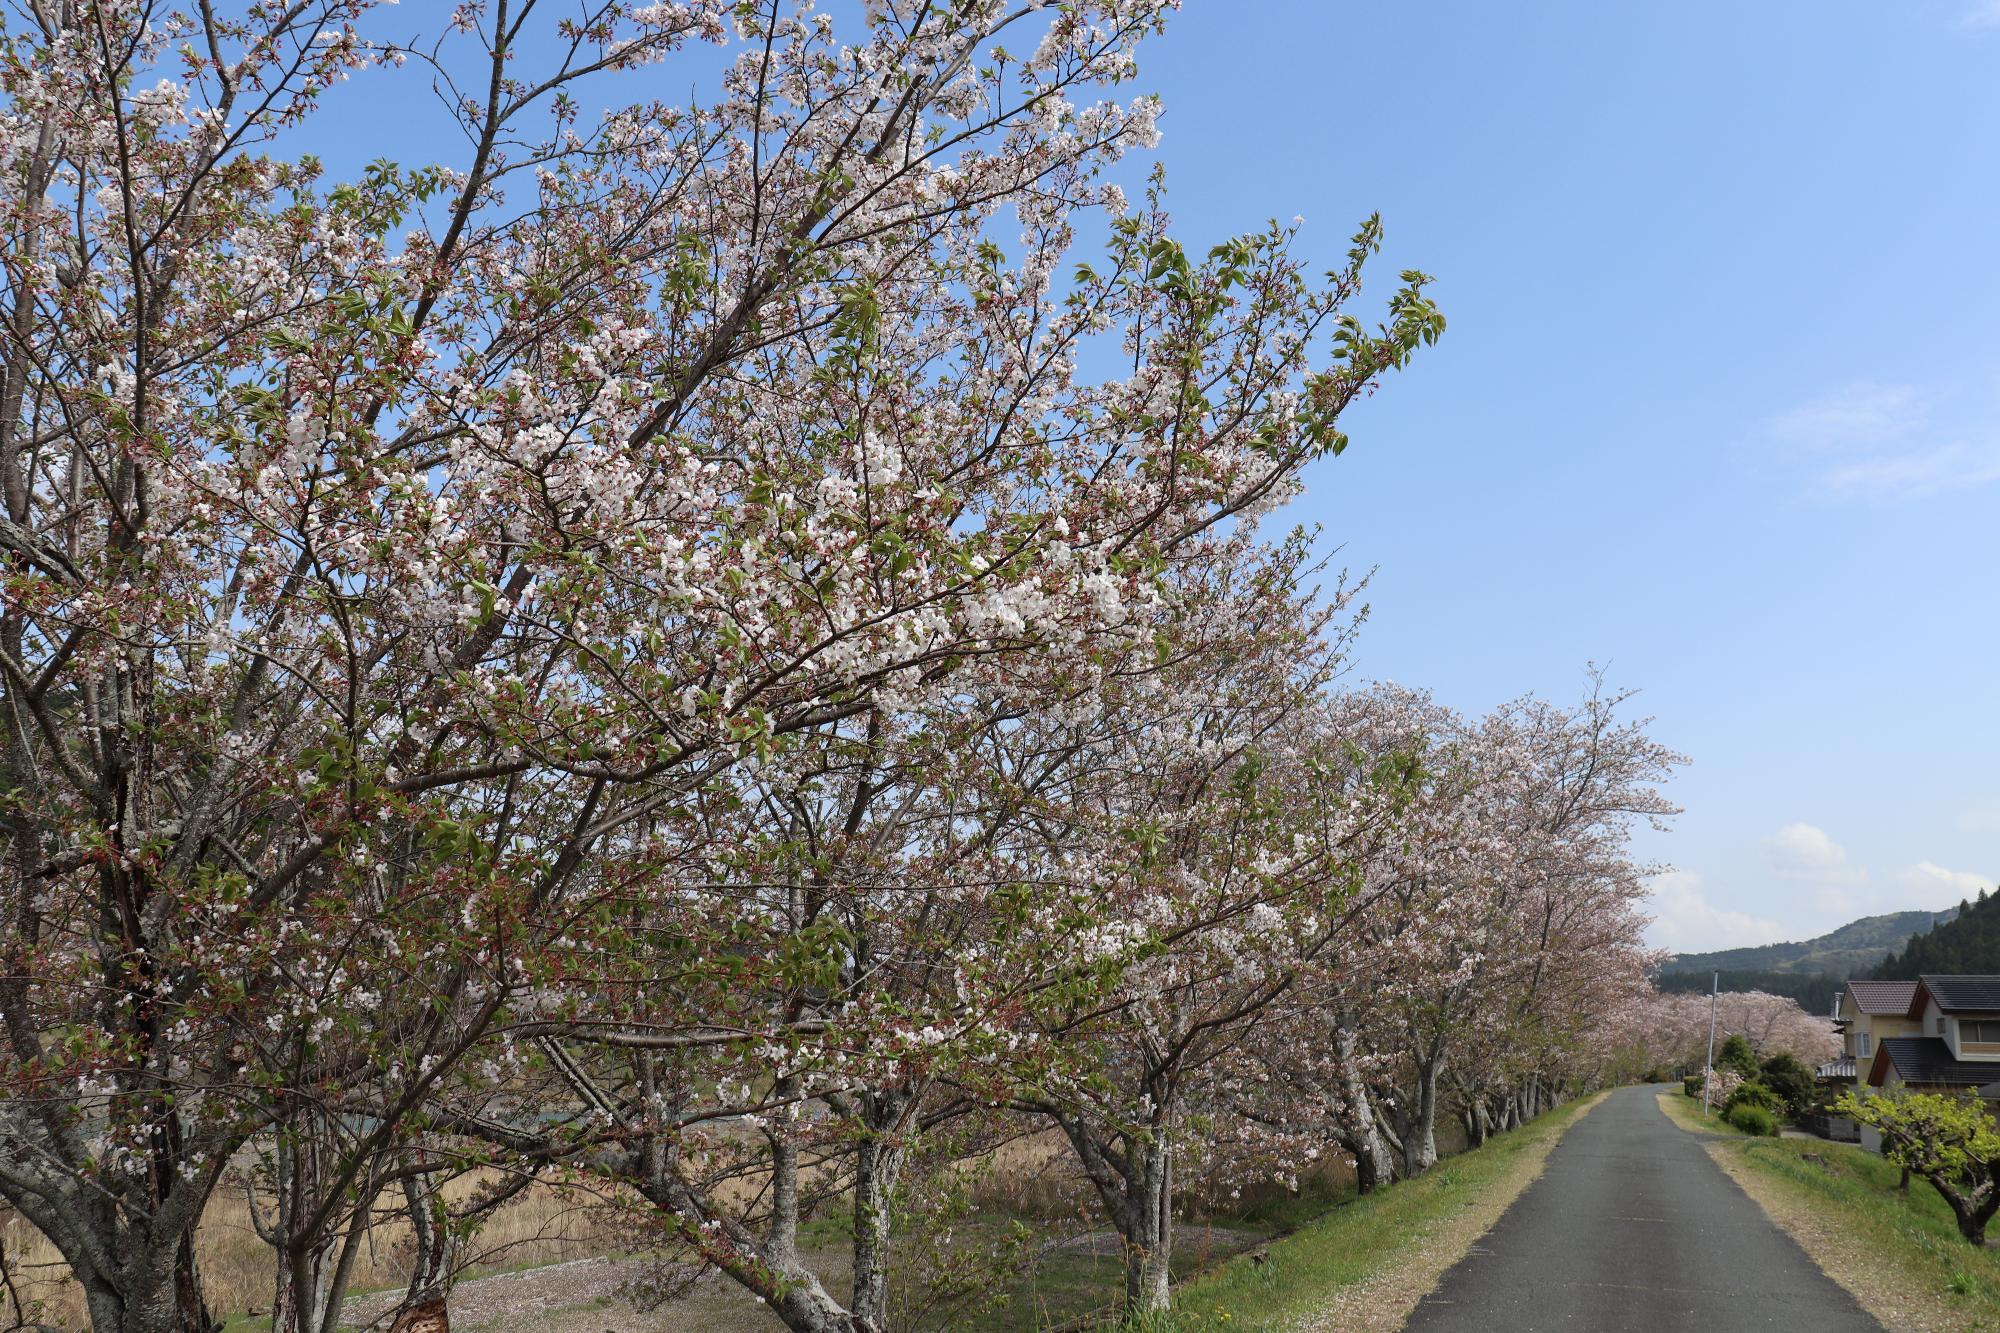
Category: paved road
[1633,1228]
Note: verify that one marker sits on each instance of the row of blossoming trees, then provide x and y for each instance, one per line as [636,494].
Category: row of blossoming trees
[661,658]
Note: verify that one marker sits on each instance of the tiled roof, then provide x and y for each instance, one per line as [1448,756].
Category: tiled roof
[1842,1068]
[1883,997]
[1965,995]
[1928,1060]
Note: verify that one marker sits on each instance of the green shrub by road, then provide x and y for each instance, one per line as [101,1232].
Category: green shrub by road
[1753,1120]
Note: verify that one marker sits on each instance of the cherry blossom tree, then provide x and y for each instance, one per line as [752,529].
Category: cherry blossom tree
[1671,1029]
[1189,832]
[395,566]
[1499,933]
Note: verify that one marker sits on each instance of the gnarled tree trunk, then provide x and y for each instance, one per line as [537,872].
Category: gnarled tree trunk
[1135,1179]
[1374,1163]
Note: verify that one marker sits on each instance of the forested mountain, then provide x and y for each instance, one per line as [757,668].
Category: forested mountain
[1846,952]
[1969,942]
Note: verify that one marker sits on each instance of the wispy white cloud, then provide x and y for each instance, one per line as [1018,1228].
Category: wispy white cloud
[1885,442]
[1913,475]
[1930,876]
[1862,413]
[1812,882]
[1985,14]
[1684,920]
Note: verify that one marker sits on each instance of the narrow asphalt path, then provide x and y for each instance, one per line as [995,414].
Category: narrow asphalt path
[1633,1228]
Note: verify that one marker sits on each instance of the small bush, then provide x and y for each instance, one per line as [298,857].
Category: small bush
[1753,1119]
[1691,1085]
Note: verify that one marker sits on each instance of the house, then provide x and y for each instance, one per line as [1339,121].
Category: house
[1946,1037]
[1956,1041]
[1866,1013]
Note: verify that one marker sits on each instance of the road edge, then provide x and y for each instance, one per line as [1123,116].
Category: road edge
[1383,1301]
[1878,1285]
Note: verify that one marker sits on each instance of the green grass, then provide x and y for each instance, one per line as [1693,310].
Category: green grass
[1685,1111]
[1298,1274]
[1911,1234]
[1069,1286]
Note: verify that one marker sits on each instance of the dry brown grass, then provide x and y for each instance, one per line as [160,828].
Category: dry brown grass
[543,1225]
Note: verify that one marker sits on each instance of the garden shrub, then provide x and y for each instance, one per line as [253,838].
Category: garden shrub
[1787,1076]
[1753,1119]
[1737,1058]
[1691,1085]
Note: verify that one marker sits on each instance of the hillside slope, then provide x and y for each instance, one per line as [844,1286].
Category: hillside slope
[1849,951]
[1969,942]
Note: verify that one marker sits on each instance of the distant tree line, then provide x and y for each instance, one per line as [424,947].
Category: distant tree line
[1813,990]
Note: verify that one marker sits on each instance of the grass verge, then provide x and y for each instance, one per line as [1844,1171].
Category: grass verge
[1686,1112]
[1899,1255]
[1364,1266]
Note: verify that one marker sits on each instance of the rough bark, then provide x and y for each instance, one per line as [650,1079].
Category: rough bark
[1420,1131]
[425,1307]
[1972,1207]
[878,1162]
[1134,1177]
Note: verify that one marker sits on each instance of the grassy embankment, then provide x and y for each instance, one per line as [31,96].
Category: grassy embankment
[1900,1255]
[1365,1265]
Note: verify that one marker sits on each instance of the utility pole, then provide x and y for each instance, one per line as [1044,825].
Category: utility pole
[1708,1070]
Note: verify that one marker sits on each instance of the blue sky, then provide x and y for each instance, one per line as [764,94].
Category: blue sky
[1719,404]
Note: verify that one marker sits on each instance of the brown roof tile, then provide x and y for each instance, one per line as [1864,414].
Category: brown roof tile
[1883,997]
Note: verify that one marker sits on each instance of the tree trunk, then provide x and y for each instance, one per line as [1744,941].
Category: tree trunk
[1420,1137]
[1149,1232]
[1374,1165]
[1973,1209]
[767,1266]
[300,1303]
[302,1287]
[165,1297]
[1135,1181]
[425,1307]
[878,1161]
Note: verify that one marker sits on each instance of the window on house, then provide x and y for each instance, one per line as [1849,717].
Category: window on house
[1861,1043]
[1940,1023]
[1986,1029]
